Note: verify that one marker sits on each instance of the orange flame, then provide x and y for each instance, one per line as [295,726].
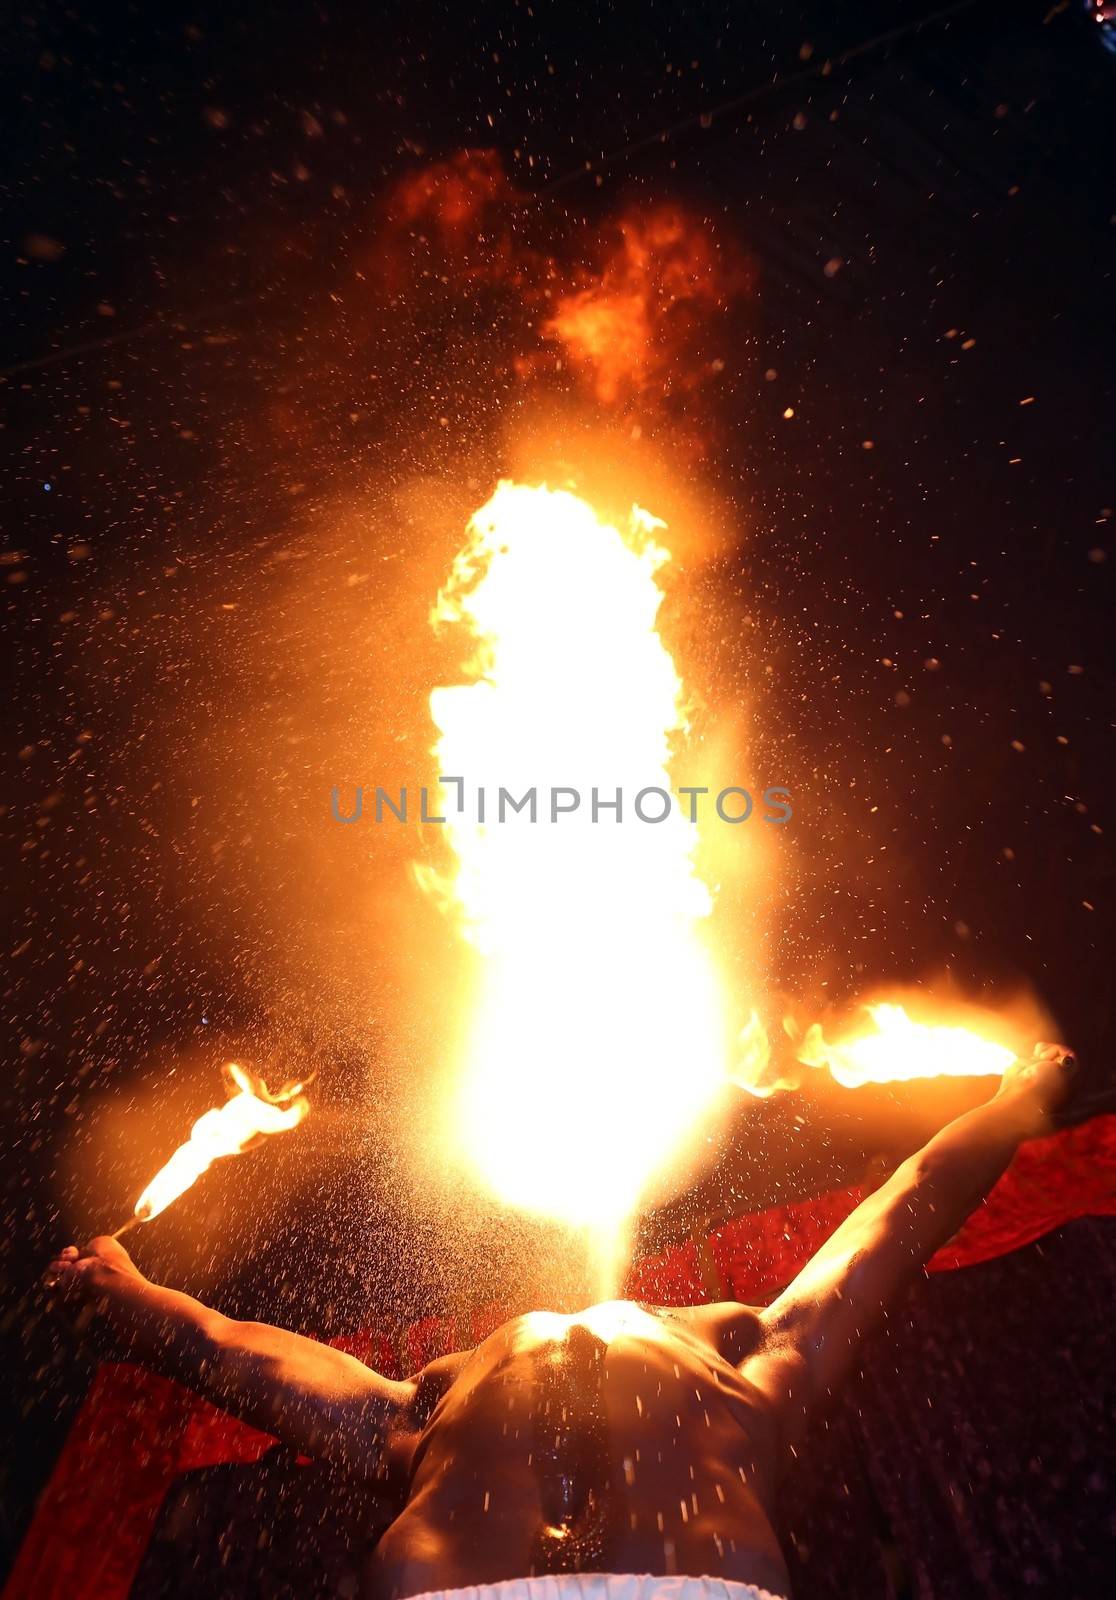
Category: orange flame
[242,1122]
[896,1048]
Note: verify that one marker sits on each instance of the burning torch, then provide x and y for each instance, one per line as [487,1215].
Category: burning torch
[249,1116]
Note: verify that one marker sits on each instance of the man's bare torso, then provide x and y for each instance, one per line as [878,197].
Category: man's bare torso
[621,1439]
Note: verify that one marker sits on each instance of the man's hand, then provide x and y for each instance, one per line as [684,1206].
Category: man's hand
[1045,1089]
[89,1273]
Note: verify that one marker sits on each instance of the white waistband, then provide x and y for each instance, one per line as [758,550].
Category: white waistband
[604,1586]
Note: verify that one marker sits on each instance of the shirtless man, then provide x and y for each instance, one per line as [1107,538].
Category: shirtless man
[625,1440]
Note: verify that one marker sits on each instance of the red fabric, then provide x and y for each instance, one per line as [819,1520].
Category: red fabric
[136,1432]
[1051,1181]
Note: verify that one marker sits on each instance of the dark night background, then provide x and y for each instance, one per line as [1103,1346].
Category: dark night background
[193,386]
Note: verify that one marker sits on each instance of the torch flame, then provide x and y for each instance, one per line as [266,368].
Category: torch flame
[243,1121]
[596,1039]
[900,1048]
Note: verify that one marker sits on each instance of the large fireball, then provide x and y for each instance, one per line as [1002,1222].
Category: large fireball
[597,1039]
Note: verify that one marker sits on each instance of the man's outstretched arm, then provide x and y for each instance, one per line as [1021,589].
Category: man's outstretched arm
[316,1399]
[811,1334]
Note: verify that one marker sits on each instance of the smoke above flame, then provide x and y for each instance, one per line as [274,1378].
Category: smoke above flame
[624,309]
[596,1038]
[630,326]
[251,1115]
[452,195]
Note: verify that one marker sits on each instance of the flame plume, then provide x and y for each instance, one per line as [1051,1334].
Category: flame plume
[242,1122]
[596,1040]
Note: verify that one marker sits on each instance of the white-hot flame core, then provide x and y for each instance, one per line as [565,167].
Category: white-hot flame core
[899,1048]
[226,1130]
[598,1037]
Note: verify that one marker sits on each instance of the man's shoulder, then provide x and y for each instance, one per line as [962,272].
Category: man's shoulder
[734,1330]
[431,1382]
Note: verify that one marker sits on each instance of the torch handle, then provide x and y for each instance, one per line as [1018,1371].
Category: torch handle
[126,1227]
